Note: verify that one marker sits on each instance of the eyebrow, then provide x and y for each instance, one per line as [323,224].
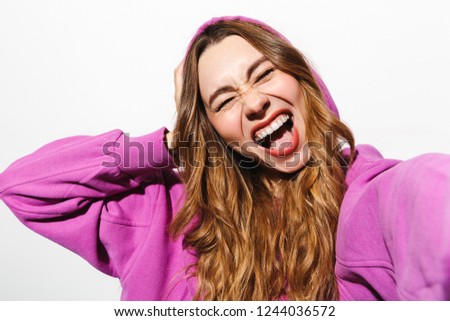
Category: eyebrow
[226,89]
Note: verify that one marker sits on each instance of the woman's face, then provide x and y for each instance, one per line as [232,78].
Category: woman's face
[257,109]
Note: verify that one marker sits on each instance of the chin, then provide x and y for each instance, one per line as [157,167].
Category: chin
[288,167]
[291,165]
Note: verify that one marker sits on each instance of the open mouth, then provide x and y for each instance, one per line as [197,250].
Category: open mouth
[279,137]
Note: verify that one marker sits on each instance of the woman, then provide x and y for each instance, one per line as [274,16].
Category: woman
[266,204]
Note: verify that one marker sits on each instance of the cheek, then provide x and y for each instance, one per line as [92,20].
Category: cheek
[228,125]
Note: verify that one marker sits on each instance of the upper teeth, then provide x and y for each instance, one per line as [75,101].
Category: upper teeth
[273,126]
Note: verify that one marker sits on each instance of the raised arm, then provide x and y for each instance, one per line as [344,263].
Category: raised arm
[62,190]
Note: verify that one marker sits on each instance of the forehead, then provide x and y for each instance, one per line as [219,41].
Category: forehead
[225,63]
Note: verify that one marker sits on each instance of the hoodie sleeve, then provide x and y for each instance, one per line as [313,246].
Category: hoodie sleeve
[61,191]
[414,202]
[393,238]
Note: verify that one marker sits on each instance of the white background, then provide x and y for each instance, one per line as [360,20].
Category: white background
[86,67]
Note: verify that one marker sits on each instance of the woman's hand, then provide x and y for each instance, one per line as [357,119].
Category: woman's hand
[178,81]
[168,139]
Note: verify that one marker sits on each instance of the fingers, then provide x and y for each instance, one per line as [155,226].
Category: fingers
[168,139]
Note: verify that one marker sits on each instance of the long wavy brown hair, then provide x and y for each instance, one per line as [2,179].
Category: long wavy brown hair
[251,244]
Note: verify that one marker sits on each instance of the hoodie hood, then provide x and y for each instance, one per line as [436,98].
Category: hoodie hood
[325,92]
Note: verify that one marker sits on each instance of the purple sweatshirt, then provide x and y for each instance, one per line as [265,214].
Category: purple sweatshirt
[110,198]
[392,240]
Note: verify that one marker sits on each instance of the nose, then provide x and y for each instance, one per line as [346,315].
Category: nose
[255,103]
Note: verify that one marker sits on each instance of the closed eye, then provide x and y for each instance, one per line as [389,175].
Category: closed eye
[224,103]
[265,74]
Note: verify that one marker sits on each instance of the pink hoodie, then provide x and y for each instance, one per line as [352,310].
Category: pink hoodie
[109,198]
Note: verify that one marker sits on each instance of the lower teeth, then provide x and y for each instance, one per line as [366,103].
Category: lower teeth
[266,142]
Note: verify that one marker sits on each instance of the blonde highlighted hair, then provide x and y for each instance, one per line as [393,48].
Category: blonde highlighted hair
[250,244]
